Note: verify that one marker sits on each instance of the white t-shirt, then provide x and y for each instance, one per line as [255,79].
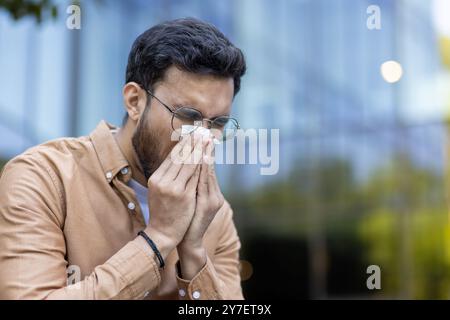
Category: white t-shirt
[141,195]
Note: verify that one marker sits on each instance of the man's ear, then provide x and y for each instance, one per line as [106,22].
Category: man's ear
[134,99]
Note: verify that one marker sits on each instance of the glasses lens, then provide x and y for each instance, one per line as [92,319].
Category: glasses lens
[185,116]
[228,126]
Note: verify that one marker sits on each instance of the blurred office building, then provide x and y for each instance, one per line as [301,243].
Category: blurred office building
[363,144]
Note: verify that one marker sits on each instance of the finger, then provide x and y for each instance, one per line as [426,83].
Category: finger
[179,157]
[209,152]
[203,180]
[208,160]
[193,180]
[182,153]
[190,163]
[168,161]
[213,185]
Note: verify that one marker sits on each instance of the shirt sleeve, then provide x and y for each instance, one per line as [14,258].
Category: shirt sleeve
[219,279]
[32,245]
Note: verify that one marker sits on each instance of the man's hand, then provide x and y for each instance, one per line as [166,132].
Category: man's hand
[172,190]
[208,202]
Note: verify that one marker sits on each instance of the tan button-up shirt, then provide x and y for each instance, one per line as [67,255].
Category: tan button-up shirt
[69,224]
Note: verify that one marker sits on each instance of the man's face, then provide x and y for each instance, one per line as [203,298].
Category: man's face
[210,95]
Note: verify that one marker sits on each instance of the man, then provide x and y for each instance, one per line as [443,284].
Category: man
[113,209]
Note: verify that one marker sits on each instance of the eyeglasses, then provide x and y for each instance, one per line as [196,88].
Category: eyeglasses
[227,126]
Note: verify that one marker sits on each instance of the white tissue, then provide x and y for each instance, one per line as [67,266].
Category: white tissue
[206,133]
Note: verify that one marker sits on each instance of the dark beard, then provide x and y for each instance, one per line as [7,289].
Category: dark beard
[146,146]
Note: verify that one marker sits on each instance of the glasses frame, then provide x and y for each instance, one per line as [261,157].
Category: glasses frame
[209,121]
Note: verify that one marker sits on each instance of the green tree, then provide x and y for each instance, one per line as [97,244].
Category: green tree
[38,9]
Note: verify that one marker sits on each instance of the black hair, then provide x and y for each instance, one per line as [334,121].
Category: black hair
[190,44]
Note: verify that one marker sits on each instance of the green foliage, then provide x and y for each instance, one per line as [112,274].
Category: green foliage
[398,216]
[39,9]
[429,263]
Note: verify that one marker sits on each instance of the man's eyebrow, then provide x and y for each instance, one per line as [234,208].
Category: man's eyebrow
[178,105]
[223,115]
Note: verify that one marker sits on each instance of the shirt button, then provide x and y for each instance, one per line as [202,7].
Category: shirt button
[109,175]
[146,294]
[124,171]
[181,292]
[131,206]
[196,295]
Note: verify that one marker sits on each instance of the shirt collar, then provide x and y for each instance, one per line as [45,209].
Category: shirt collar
[108,152]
